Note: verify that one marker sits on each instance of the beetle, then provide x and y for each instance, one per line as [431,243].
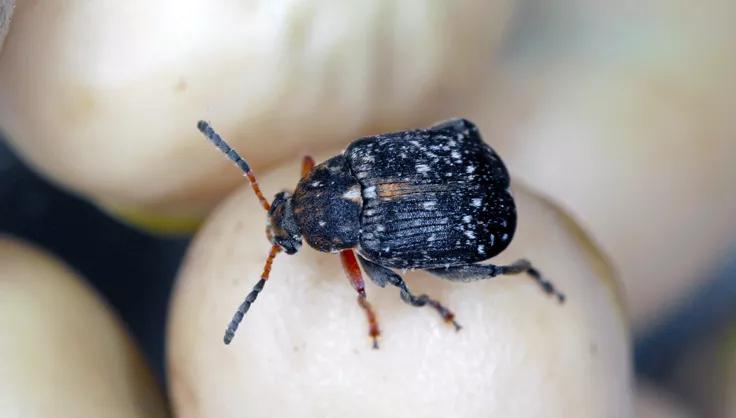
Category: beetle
[435,199]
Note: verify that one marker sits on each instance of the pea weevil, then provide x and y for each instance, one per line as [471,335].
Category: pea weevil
[434,199]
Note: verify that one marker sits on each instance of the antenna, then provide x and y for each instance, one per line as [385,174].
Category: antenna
[220,143]
[238,316]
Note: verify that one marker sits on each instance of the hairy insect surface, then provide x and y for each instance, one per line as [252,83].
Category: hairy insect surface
[433,199]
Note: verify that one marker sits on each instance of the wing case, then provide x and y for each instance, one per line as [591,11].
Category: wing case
[431,198]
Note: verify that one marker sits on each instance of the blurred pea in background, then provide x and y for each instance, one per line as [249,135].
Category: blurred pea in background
[623,112]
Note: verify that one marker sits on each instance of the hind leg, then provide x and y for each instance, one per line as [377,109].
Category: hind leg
[473,272]
[382,275]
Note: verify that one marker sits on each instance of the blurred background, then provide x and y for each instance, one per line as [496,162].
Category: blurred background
[623,112]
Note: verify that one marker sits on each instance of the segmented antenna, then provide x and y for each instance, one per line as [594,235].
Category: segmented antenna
[233,326]
[220,143]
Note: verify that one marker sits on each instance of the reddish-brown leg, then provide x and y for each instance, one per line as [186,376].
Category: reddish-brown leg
[350,264]
[307,165]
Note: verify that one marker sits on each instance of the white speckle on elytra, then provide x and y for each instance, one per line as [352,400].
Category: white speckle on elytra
[467,219]
[456,155]
[352,194]
[322,223]
[422,168]
[315,183]
[380,228]
[504,237]
[469,234]
[432,238]
[429,205]
[370,192]
[452,142]
[481,249]
[469,169]
[476,201]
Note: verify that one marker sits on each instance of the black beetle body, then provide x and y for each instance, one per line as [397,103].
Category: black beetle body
[412,200]
[436,199]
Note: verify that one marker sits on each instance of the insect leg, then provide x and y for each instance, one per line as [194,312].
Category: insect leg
[383,275]
[473,272]
[307,165]
[350,264]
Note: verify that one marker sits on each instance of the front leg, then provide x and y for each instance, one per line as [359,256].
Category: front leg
[350,264]
[473,272]
[307,165]
[382,275]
